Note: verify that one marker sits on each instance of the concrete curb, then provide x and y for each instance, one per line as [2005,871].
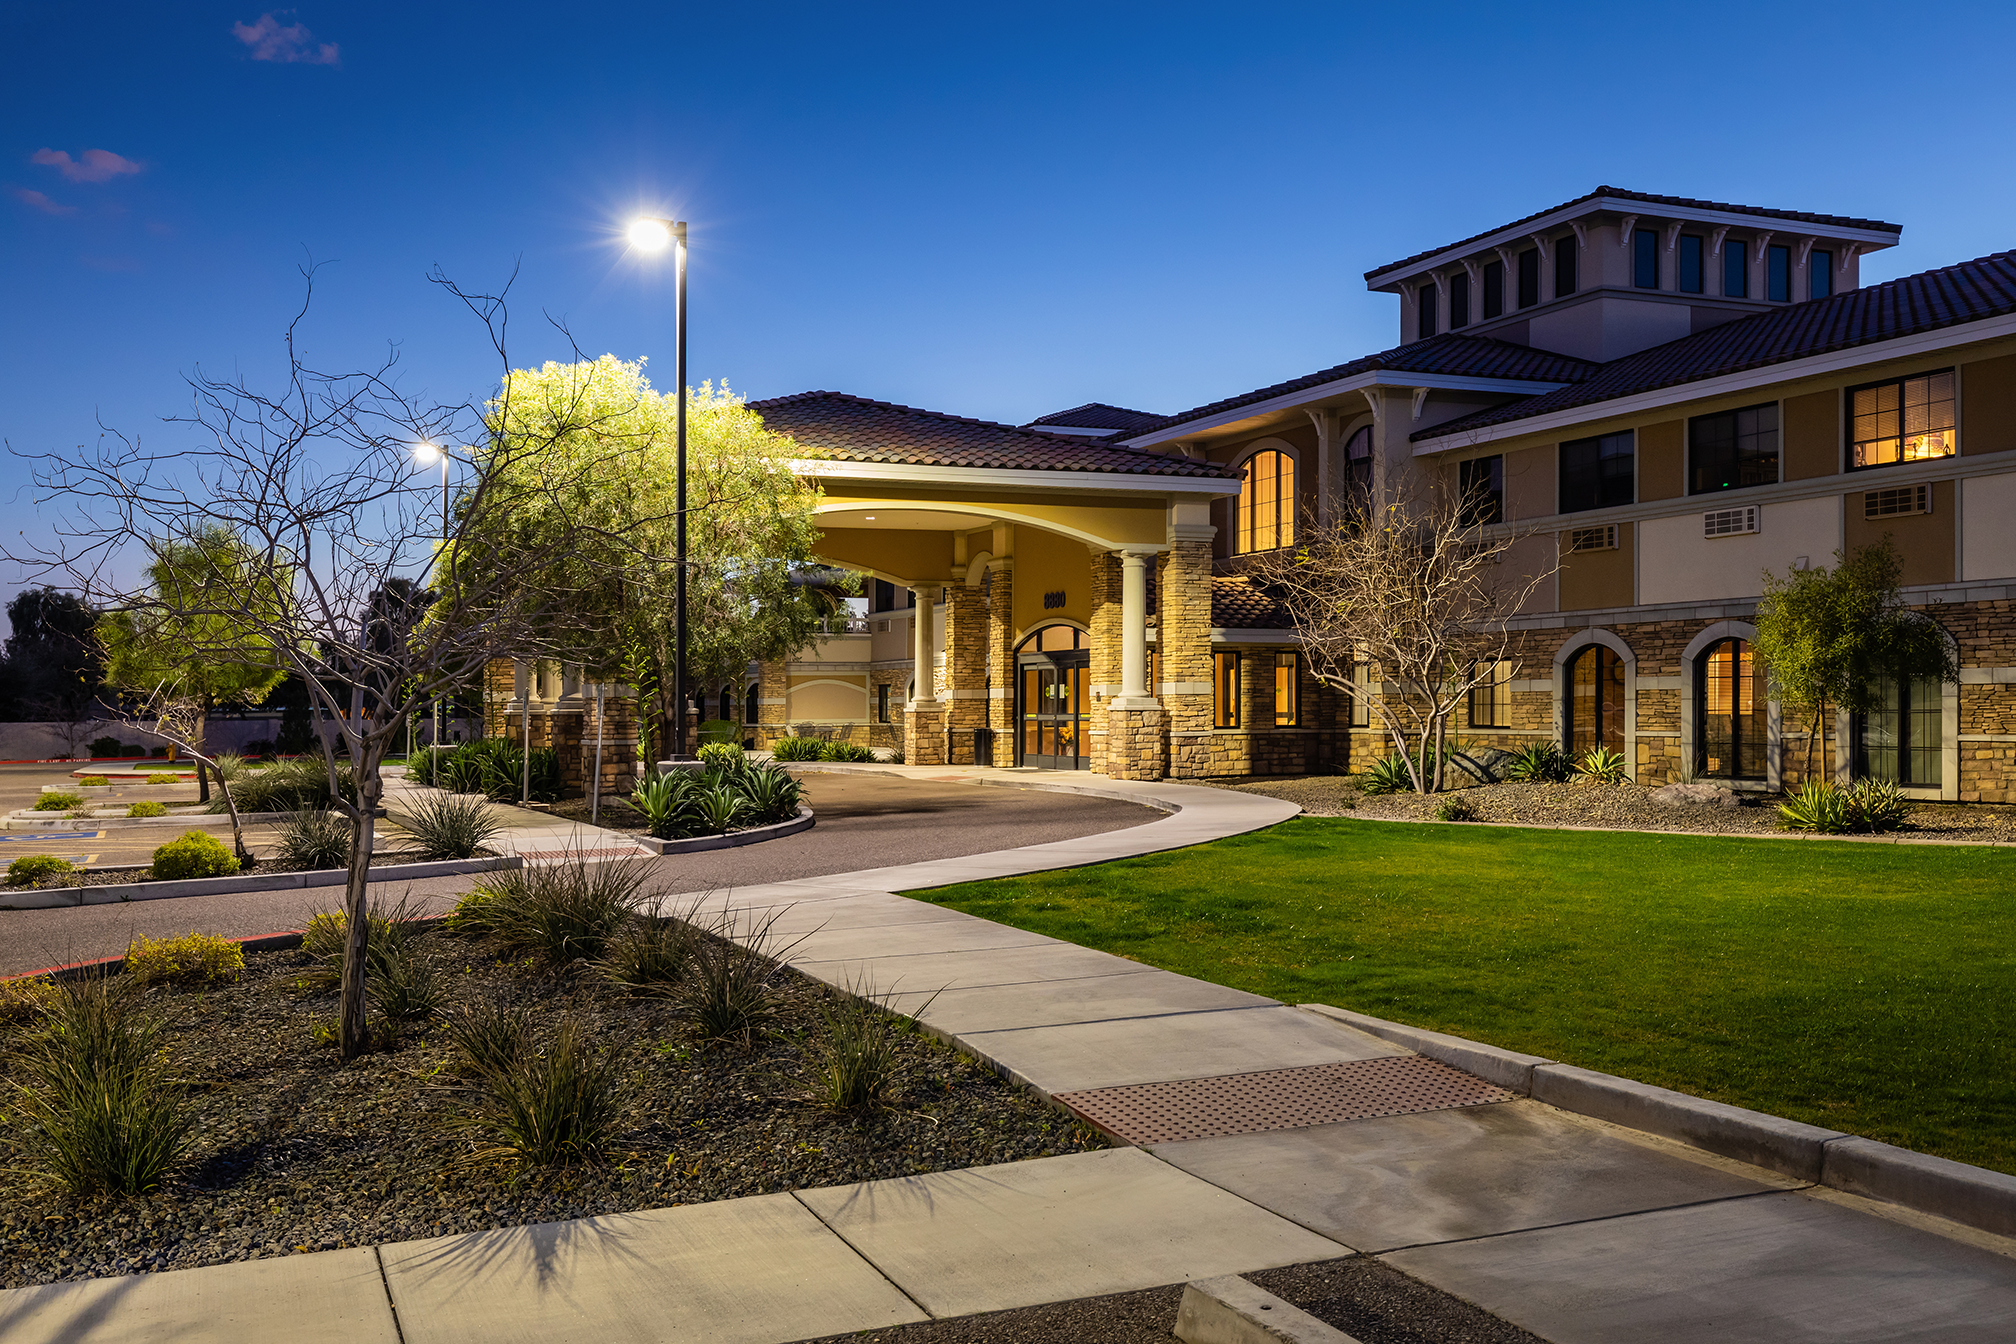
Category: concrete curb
[1019,782]
[1935,1185]
[755,835]
[113,894]
[21,823]
[1507,1068]
[1229,1310]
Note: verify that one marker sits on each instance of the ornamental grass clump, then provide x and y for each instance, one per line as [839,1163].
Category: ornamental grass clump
[451,826]
[1455,809]
[651,954]
[855,1063]
[728,993]
[192,959]
[93,782]
[193,854]
[95,1111]
[398,979]
[30,869]
[562,913]
[314,840]
[554,1105]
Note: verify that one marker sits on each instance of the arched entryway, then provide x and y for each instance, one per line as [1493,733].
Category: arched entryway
[1731,736]
[1593,700]
[1053,666]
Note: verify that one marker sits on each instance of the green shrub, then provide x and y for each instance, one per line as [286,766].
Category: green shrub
[1387,776]
[100,1114]
[93,782]
[398,980]
[494,766]
[25,998]
[58,800]
[722,755]
[451,826]
[314,840]
[300,785]
[103,747]
[1600,765]
[193,854]
[845,751]
[1818,806]
[797,749]
[30,869]
[228,766]
[553,1106]
[192,959]
[147,807]
[1455,809]
[561,912]
[1539,763]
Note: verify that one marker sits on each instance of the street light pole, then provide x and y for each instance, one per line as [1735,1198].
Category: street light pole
[425,452]
[680,750]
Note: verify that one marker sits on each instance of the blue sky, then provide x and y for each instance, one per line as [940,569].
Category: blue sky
[994,211]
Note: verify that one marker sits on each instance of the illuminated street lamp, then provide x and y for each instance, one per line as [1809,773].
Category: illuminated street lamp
[655,235]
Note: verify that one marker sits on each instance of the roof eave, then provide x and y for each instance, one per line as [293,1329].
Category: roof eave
[1016,478]
[1356,382]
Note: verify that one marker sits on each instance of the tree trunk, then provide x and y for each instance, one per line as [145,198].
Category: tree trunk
[353,1028]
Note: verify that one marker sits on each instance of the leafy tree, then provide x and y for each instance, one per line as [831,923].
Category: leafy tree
[53,668]
[609,481]
[200,635]
[1827,636]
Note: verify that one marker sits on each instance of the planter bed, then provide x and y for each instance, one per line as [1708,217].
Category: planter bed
[621,817]
[294,1151]
[1626,807]
[107,886]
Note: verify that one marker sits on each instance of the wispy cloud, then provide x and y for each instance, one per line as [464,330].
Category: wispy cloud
[35,200]
[93,165]
[292,43]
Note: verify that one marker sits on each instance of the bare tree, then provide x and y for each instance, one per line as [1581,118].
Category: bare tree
[1417,589]
[317,481]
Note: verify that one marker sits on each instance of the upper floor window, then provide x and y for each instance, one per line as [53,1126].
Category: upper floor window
[1905,420]
[1600,472]
[1459,300]
[1567,252]
[1819,274]
[1482,481]
[1529,277]
[1358,464]
[1425,298]
[1736,269]
[1732,449]
[1689,279]
[1494,289]
[1645,259]
[1778,273]
[1266,507]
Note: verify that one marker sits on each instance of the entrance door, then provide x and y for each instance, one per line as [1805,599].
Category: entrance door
[1051,700]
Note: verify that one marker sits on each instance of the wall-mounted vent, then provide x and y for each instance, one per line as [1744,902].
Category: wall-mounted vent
[1593,538]
[1729,522]
[1903,499]
[881,627]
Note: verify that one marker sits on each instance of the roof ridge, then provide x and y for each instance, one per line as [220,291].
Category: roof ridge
[940,415]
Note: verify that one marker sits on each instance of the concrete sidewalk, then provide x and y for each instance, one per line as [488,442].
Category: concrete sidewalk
[1572,1228]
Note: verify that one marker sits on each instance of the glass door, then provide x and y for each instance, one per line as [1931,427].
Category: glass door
[1052,711]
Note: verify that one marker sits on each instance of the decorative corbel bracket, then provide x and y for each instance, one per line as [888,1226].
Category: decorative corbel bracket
[1420,399]
[1625,228]
[1715,241]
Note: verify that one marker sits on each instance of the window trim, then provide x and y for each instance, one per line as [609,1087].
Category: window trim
[1497,694]
[1225,674]
[1848,421]
[1287,508]
[1288,658]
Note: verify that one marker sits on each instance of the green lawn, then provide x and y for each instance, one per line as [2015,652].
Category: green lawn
[1867,988]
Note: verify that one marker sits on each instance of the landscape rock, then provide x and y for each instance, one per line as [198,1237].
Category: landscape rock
[1486,765]
[1696,795]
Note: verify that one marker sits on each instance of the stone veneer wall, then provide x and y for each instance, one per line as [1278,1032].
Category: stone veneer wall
[1104,673]
[1001,671]
[1183,640]
[966,670]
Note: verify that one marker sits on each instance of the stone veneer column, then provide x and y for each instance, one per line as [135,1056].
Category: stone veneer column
[966,662]
[1104,672]
[1135,724]
[1001,671]
[773,701]
[1183,634]
[924,717]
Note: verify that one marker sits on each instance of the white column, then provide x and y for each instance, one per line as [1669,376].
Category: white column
[923,618]
[1134,693]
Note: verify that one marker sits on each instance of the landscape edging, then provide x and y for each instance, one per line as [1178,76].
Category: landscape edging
[1958,1191]
[755,835]
[1016,782]
[58,897]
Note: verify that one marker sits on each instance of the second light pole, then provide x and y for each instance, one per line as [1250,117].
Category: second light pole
[653,235]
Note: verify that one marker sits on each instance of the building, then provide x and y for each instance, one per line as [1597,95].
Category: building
[1674,395]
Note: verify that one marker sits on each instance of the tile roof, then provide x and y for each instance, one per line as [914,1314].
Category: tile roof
[1647,198]
[1098,415]
[1239,604]
[855,429]
[1475,356]
[1929,301]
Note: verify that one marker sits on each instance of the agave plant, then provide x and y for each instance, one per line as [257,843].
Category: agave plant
[719,808]
[1876,805]
[1600,765]
[1819,806]
[773,794]
[1388,776]
[1540,763]
[665,801]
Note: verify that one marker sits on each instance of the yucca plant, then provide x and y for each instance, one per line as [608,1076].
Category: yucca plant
[1600,765]
[1819,806]
[97,1113]
[1538,763]
[451,826]
[314,840]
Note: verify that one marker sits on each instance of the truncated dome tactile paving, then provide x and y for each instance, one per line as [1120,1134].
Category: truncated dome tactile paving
[1251,1103]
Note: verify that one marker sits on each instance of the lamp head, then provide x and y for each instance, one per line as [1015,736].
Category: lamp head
[426,454]
[650,235]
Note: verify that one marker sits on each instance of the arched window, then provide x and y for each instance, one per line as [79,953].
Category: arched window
[728,699]
[1265,520]
[1729,701]
[1595,707]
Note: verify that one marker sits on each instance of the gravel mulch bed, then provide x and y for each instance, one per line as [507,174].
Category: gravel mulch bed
[1627,806]
[294,1151]
[1369,1301]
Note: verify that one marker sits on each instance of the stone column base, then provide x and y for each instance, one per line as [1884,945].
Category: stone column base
[1136,744]
[924,735]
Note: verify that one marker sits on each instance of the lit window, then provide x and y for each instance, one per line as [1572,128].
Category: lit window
[1733,449]
[1266,507]
[1491,698]
[1225,690]
[1730,736]
[1595,701]
[1287,690]
[1909,420]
